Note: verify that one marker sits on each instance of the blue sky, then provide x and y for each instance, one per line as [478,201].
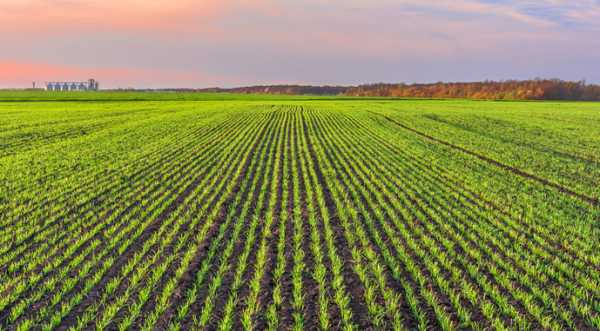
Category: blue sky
[201,43]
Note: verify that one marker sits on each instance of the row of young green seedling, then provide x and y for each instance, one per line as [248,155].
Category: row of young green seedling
[150,210]
[52,266]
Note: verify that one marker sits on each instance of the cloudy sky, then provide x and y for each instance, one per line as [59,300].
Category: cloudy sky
[202,43]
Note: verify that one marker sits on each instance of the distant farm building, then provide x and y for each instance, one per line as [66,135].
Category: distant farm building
[90,85]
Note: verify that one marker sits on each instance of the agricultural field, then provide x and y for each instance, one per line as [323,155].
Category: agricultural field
[203,212]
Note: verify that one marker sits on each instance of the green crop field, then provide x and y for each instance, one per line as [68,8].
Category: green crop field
[173,211]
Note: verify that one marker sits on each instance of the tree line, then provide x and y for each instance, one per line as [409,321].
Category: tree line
[538,89]
[549,89]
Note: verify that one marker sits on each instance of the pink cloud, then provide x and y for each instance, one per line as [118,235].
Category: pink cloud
[41,16]
[21,74]
[264,40]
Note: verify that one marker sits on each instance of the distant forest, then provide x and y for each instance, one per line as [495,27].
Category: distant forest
[539,89]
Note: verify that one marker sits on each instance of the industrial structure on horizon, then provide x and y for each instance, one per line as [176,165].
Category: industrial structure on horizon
[90,85]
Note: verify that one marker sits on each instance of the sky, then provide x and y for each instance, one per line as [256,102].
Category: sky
[226,43]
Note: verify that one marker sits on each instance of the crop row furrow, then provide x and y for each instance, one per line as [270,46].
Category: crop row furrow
[157,215]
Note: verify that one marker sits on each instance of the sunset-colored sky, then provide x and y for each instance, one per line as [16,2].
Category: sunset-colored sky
[204,43]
